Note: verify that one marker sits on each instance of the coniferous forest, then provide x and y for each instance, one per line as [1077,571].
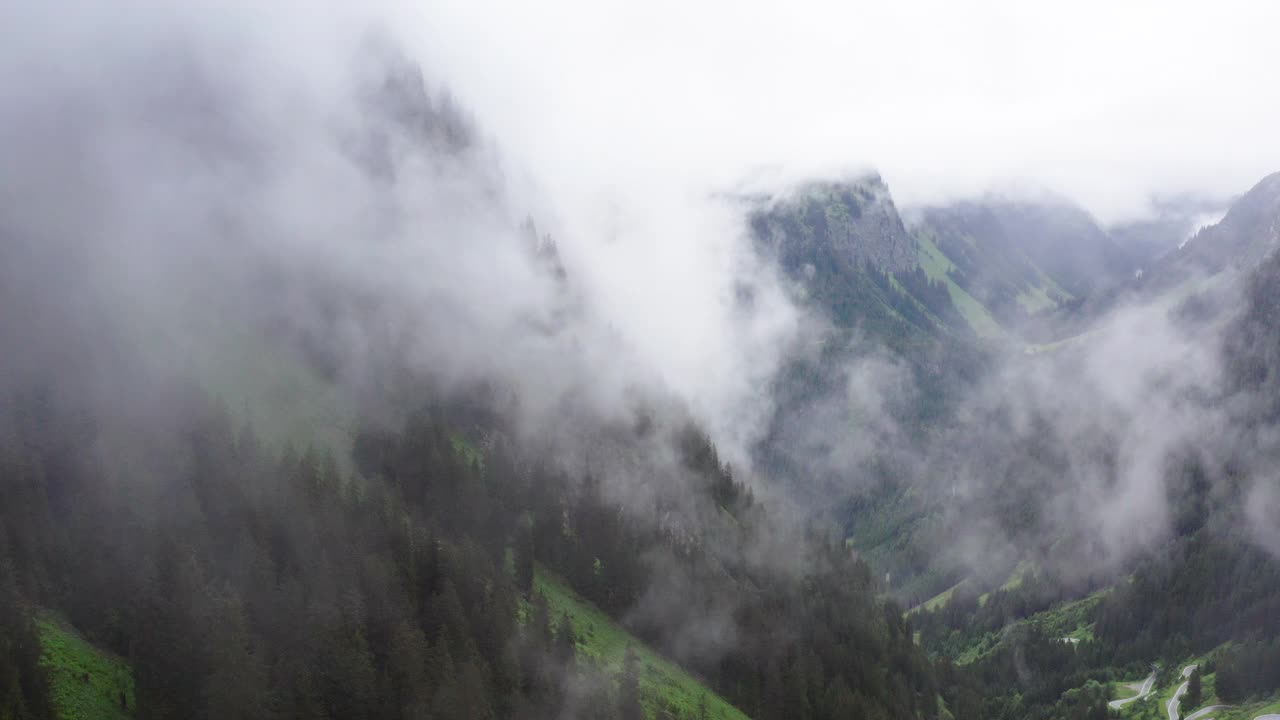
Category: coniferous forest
[592,361]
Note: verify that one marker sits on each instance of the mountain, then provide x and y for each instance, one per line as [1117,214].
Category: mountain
[259,474]
[1204,270]
[1019,259]
[847,224]
[1248,232]
[1172,222]
[846,250]
[1068,537]
[298,419]
[888,299]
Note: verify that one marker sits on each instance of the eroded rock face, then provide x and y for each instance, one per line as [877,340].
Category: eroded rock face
[876,234]
[849,224]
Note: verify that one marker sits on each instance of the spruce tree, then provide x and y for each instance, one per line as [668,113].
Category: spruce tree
[1195,694]
[629,687]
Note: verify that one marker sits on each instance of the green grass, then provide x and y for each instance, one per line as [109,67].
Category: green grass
[1070,619]
[1048,294]
[1067,620]
[1082,633]
[1123,691]
[1269,706]
[604,642]
[1208,692]
[1018,575]
[284,400]
[1035,300]
[981,648]
[938,600]
[85,682]
[260,380]
[1037,348]
[941,598]
[938,266]
[1013,582]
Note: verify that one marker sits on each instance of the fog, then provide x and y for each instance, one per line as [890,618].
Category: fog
[153,153]
[1104,105]
[511,265]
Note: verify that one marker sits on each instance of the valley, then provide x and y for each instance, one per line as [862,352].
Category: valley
[400,362]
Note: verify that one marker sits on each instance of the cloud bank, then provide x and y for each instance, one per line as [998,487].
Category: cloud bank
[1102,104]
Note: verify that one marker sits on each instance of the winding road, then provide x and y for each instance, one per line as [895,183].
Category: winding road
[1176,700]
[1142,693]
[1212,708]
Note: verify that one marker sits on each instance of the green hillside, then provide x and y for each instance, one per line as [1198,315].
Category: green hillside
[85,682]
[938,267]
[662,682]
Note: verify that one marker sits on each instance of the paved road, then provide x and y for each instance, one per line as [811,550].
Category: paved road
[1176,700]
[1145,691]
[1205,711]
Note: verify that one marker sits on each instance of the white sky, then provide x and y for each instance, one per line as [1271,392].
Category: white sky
[619,118]
[1104,102]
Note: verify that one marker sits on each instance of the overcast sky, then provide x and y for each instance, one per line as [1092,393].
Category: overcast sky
[1104,102]
[617,122]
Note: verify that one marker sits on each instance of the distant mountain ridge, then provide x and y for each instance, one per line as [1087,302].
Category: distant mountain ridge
[845,248]
[1173,220]
[857,222]
[1021,258]
[1248,232]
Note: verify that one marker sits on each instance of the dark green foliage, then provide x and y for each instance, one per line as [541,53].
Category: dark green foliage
[523,555]
[1250,670]
[241,586]
[847,268]
[85,682]
[277,587]
[24,688]
[1195,691]
[629,688]
[1205,590]
[566,642]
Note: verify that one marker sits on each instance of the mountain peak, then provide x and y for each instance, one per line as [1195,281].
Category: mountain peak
[1248,232]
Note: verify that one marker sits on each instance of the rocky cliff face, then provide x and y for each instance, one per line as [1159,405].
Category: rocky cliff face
[849,224]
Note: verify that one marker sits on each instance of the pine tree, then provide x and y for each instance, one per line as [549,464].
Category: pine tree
[236,684]
[1195,693]
[407,671]
[24,691]
[566,643]
[524,556]
[629,687]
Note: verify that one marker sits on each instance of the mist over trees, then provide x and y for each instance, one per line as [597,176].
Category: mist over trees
[314,404]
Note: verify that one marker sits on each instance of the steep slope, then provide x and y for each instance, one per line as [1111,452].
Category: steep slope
[86,683]
[1246,234]
[182,499]
[890,301]
[666,687]
[1173,221]
[1207,591]
[1202,273]
[847,251]
[1019,259]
